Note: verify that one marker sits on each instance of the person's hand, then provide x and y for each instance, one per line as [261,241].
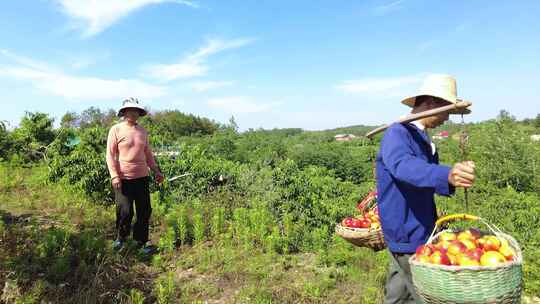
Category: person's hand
[462,174]
[159,177]
[116,183]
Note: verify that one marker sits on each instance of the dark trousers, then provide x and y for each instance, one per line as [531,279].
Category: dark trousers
[399,286]
[133,190]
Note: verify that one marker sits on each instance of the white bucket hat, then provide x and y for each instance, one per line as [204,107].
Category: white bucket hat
[440,86]
[131,103]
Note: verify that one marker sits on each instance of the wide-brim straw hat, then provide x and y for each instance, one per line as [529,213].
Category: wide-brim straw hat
[440,86]
[132,103]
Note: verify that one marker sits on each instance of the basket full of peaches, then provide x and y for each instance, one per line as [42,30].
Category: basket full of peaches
[468,265]
[364,229]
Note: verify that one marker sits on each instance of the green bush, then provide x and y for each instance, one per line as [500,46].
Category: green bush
[506,156]
[86,170]
[279,191]
[30,140]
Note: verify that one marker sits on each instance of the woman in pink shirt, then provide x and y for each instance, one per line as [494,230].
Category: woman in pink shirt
[128,158]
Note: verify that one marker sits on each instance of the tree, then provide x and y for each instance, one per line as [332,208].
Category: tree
[69,120]
[34,134]
[109,118]
[90,117]
[233,125]
[505,115]
[173,124]
[537,121]
[5,141]
[38,127]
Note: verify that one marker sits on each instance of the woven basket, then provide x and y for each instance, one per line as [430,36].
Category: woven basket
[363,237]
[470,284]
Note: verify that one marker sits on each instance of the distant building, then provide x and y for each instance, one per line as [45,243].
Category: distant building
[344,137]
[535,137]
[441,135]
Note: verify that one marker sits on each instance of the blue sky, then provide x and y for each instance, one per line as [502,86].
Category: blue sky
[308,64]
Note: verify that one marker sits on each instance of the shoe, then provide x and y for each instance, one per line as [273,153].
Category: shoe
[117,245]
[146,249]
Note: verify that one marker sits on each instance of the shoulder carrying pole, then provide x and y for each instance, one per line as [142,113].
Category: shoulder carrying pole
[413,117]
[463,140]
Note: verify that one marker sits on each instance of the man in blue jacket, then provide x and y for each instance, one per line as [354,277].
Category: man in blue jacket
[408,176]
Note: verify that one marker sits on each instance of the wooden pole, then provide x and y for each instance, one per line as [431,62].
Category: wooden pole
[413,117]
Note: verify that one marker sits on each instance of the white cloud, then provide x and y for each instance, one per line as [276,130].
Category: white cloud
[168,72]
[217,45]
[82,61]
[27,62]
[378,85]
[426,45]
[97,15]
[209,85]
[193,65]
[239,105]
[384,9]
[55,82]
[435,43]
[83,88]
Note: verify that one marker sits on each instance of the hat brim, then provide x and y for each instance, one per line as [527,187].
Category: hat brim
[410,101]
[460,111]
[142,111]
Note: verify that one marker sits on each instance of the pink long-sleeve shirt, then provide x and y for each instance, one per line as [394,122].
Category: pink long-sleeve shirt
[128,152]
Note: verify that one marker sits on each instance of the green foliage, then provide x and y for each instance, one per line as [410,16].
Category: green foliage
[172,124]
[274,241]
[55,241]
[183,225]
[61,147]
[537,122]
[261,147]
[312,195]
[36,128]
[9,179]
[84,166]
[136,296]
[505,156]
[2,228]
[240,227]
[277,192]
[167,242]
[86,169]
[93,117]
[90,118]
[351,161]
[218,222]
[5,142]
[165,289]
[30,140]
[199,226]
[223,144]
[292,234]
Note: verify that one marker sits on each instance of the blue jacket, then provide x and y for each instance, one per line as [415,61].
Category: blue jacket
[408,176]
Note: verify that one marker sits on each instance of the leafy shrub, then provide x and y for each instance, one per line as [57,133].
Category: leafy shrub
[85,166]
[506,156]
[30,140]
[351,161]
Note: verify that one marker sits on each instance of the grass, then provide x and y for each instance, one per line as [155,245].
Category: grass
[56,247]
